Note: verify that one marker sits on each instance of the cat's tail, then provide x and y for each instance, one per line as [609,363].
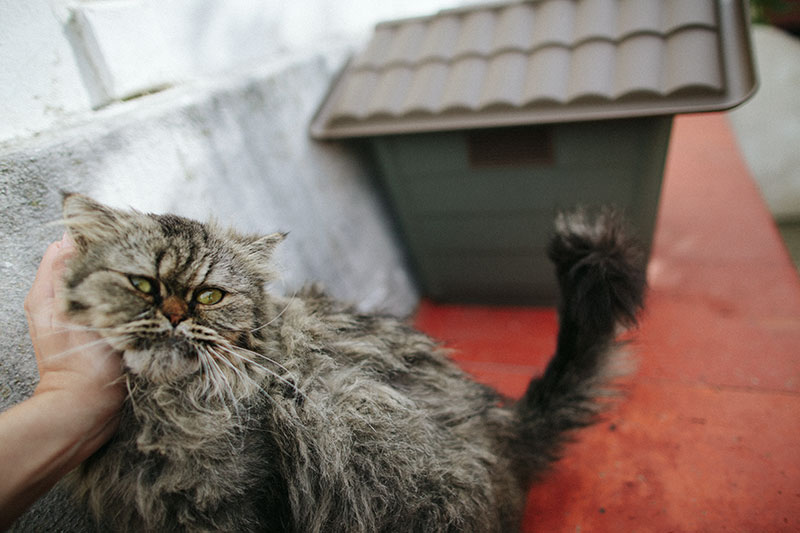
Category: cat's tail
[601,275]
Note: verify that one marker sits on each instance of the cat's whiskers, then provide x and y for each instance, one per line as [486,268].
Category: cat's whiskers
[261,355]
[218,385]
[234,352]
[92,344]
[61,326]
[240,373]
[205,369]
[200,333]
[218,342]
[145,325]
[243,379]
[221,382]
[131,394]
[276,317]
[210,378]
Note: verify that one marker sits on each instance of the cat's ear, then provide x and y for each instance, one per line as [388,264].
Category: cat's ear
[261,248]
[259,251]
[87,221]
[264,246]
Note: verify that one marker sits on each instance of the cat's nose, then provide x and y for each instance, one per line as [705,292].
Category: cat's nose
[175,309]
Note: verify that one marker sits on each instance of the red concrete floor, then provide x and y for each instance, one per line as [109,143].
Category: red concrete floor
[708,438]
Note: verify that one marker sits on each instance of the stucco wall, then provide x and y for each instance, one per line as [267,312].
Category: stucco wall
[60,58]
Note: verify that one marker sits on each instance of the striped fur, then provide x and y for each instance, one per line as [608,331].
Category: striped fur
[272,413]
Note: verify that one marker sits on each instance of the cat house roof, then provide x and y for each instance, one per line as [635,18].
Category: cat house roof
[541,61]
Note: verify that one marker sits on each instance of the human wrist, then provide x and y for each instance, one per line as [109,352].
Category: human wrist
[40,441]
[79,408]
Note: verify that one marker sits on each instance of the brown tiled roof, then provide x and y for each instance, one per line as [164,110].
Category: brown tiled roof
[543,61]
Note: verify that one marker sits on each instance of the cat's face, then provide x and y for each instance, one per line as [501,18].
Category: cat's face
[177,297]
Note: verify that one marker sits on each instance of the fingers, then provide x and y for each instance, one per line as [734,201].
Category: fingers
[69,358]
[66,250]
[43,288]
[49,276]
[39,301]
[40,306]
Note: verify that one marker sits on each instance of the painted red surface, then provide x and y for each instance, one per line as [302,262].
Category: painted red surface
[708,438]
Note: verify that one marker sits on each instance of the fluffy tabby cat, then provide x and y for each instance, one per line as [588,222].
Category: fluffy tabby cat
[249,411]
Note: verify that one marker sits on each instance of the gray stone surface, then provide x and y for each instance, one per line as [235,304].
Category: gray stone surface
[236,150]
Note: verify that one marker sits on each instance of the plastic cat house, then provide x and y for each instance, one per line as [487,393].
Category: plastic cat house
[484,121]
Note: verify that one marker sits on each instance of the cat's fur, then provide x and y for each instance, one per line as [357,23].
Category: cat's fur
[271,413]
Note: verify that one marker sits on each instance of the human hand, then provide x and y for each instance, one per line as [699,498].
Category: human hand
[74,363]
[73,410]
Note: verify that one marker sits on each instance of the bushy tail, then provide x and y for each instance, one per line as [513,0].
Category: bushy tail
[601,275]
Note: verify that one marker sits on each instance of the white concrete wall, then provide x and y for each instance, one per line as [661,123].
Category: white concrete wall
[224,134]
[63,57]
[768,125]
[40,82]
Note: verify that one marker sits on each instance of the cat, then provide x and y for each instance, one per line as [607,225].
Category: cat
[250,411]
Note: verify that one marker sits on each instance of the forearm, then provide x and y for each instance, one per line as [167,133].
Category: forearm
[41,440]
[75,408]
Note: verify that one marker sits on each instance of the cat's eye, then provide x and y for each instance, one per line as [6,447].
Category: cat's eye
[209,296]
[142,284]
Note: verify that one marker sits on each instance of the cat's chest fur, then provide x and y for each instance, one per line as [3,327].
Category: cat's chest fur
[362,416]
[174,466]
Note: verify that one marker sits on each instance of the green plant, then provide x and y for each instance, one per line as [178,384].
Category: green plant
[760,9]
